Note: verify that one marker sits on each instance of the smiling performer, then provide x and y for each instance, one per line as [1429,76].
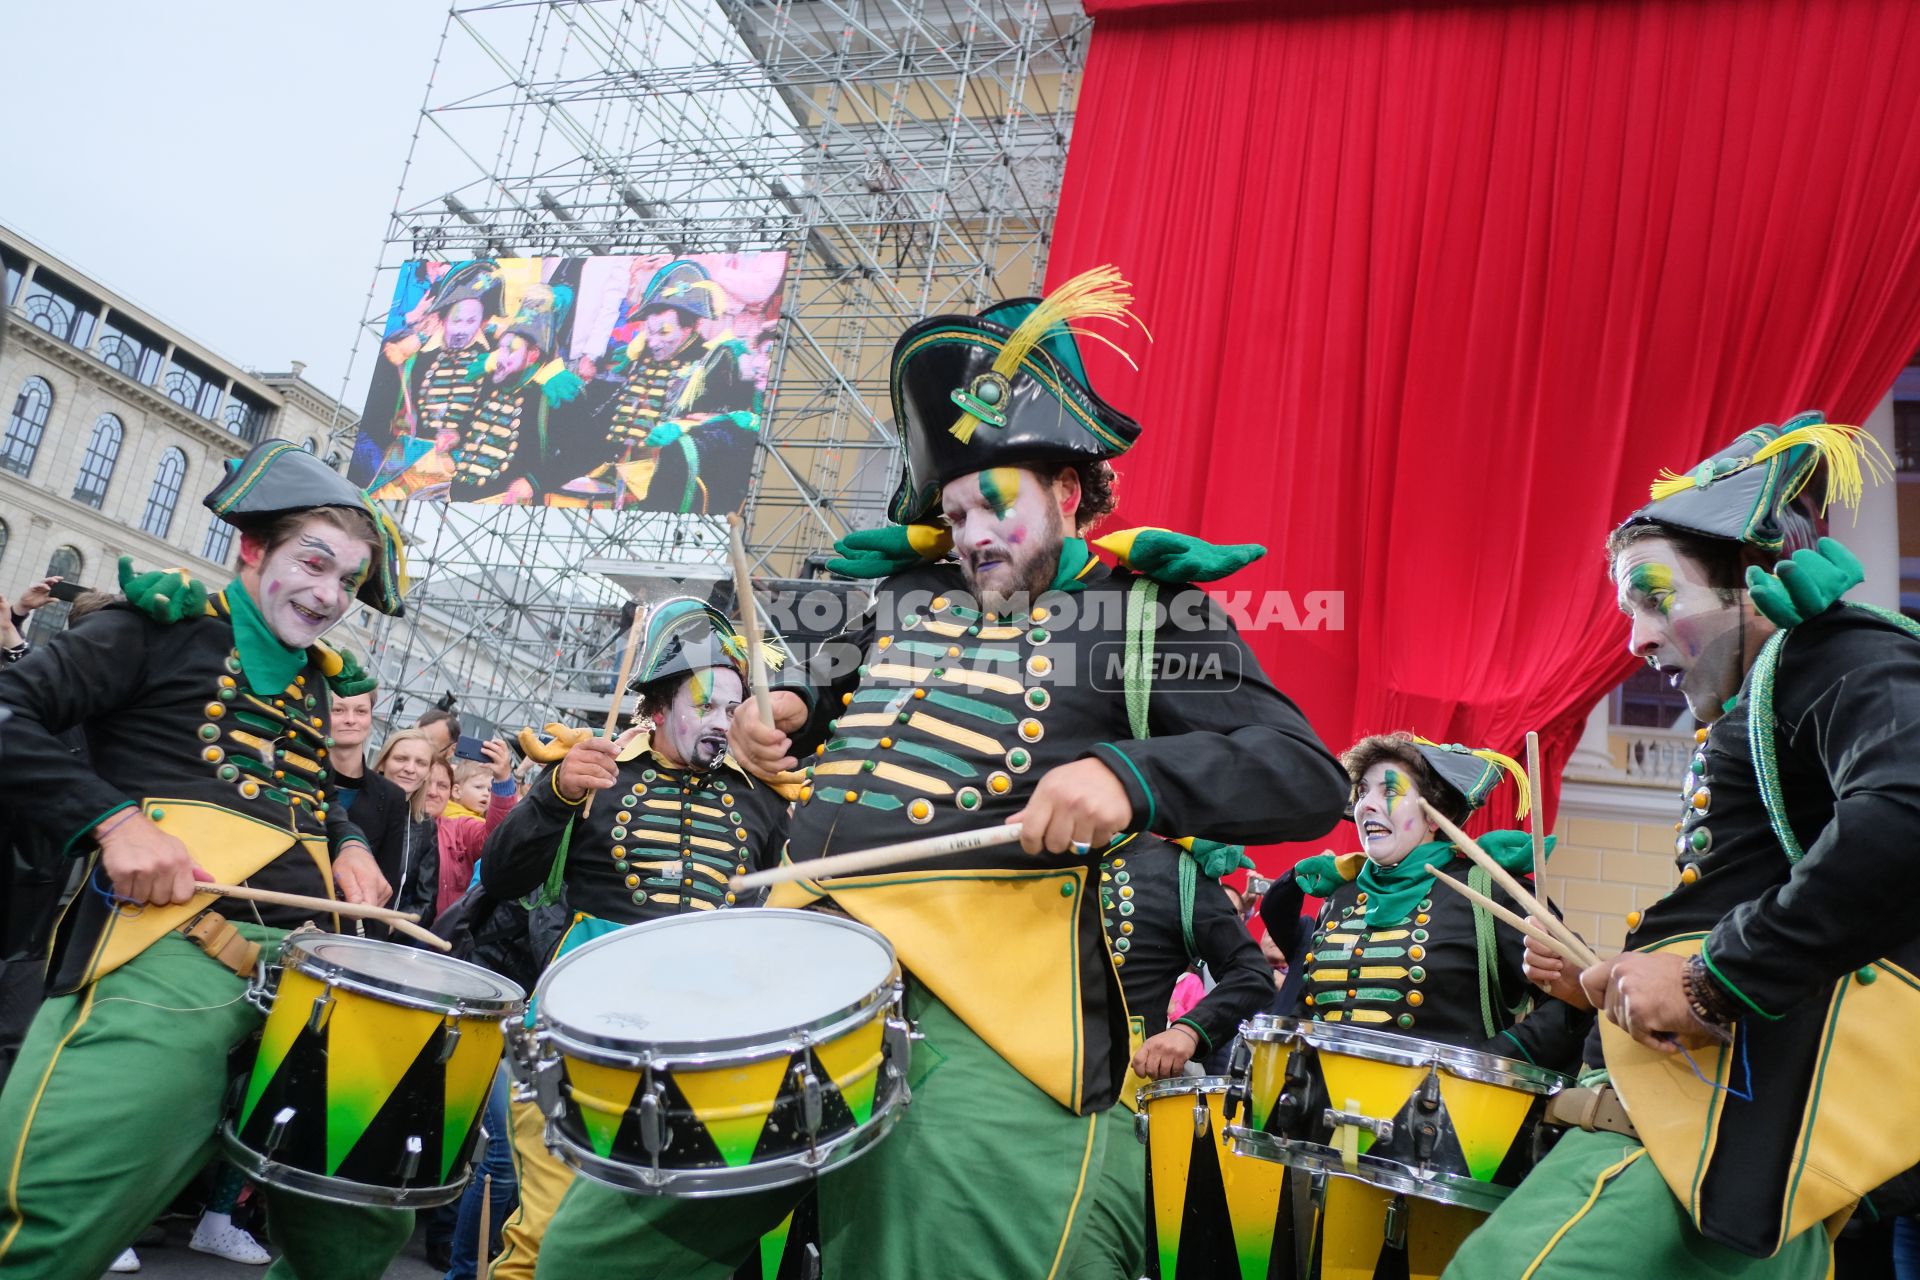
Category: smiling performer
[1395,952]
[207,738]
[681,818]
[982,689]
[1784,962]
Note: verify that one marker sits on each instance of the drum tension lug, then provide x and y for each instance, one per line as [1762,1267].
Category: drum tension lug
[450,1040]
[322,1007]
[1200,1118]
[1140,1126]
[277,1132]
[1239,1068]
[410,1163]
[812,1108]
[653,1124]
[1396,1224]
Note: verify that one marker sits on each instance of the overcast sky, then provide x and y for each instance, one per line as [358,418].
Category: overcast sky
[228,165]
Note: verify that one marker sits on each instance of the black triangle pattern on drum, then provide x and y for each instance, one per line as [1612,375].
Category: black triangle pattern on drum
[300,1083]
[689,1145]
[415,1108]
[1206,1226]
[784,1133]
[1391,1264]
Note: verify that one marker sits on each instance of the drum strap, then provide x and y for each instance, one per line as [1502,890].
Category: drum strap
[1189,881]
[214,934]
[549,893]
[1486,947]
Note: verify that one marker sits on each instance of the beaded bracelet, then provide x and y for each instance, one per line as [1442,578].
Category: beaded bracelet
[1704,997]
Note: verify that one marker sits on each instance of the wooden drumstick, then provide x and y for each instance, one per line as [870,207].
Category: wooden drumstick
[620,686]
[1515,890]
[401,921]
[1519,922]
[885,855]
[749,623]
[1533,788]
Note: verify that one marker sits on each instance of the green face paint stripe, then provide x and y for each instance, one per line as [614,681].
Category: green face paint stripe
[1655,581]
[1000,486]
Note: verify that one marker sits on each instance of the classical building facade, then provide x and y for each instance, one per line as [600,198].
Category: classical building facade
[115,425]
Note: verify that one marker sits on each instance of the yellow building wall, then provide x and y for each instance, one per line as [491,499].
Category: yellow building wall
[1602,869]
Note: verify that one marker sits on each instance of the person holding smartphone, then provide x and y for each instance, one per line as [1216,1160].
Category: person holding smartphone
[483,795]
[13,617]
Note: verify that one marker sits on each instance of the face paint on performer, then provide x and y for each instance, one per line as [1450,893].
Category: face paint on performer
[1387,814]
[1008,525]
[693,731]
[666,332]
[306,584]
[462,323]
[1692,633]
[515,356]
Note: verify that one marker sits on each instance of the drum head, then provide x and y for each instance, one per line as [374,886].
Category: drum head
[406,971]
[727,979]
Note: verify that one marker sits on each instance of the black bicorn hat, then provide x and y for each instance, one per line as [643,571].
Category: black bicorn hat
[477,280]
[685,286]
[1003,387]
[278,476]
[1475,771]
[1739,492]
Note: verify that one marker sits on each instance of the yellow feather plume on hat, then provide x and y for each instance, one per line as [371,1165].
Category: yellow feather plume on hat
[1522,788]
[1850,453]
[1100,293]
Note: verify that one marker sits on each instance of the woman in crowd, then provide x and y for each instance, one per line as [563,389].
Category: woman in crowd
[409,761]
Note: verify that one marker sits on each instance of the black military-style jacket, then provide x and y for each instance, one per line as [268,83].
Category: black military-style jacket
[1141,910]
[664,840]
[1422,975]
[932,717]
[1787,941]
[167,714]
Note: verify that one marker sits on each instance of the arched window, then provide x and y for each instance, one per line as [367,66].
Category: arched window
[25,427]
[67,564]
[165,494]
[219,541]
[96,469]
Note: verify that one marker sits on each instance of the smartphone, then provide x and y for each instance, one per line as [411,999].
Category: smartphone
[468,748]
[68,591]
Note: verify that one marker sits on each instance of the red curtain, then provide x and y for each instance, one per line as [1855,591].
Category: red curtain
[1436,289]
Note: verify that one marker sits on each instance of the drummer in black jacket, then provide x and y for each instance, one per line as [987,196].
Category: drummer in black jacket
[677,820]
[207,759]
[1394,951]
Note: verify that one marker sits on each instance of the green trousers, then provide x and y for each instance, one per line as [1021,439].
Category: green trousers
[1113,1244]
[112,1108]
[984,1176]
[1597,1209]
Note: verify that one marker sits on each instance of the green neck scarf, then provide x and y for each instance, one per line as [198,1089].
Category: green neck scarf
[1393,892]
[267,665]
[1073,559]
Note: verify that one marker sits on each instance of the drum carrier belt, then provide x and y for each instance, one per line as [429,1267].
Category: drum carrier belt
[214,934]
[1597,1109]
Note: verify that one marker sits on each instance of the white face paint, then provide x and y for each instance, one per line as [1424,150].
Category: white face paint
[1007,530]
[1693,634]
[306,584]
[694,729]
[1387,813]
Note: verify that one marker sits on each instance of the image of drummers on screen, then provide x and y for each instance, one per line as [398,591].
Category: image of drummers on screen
[925,947]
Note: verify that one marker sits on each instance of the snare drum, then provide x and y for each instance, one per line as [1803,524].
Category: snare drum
[1210,1214]
[1429,1120]
[372,1071]
[721,1053]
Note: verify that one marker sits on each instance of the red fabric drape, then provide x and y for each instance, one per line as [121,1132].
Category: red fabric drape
[1436,289]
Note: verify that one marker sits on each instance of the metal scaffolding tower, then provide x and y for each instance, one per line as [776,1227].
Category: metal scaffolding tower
[907,154]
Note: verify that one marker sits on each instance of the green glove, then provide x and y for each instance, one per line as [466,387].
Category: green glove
[1173,558]
[165,595]
[351,680]
[1805,584]
[889,549]
[663,435]
[1216,859]
[562,387]
[1318,875]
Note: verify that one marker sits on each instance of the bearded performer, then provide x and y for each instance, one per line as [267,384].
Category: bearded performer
[984,688]
[680,819]
[206,726]
[1392,950]
[1755,1072]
